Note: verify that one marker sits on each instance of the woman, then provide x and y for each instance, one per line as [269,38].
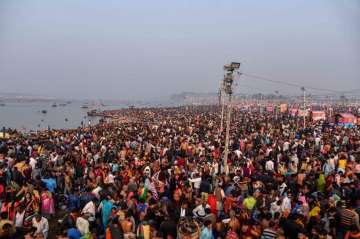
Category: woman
[105,208]
[31,206]
[47,204]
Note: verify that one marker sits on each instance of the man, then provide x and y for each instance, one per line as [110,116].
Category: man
[7,228]
[206,232]
[114,230]
[73,233]
[168,228]
[184,210]
[19,220]
[199,210]
[348,219]
[41,224]
[82,224]
[89,209]
[269,166]
[270,232]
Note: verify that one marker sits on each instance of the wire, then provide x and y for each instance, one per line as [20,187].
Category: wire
[287,83]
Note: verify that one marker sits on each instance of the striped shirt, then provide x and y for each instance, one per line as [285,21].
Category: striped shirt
[269,233]
[348,218]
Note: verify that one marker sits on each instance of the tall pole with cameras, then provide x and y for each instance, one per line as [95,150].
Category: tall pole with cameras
[277,96]
[304,106]
[228,82]
[222,103]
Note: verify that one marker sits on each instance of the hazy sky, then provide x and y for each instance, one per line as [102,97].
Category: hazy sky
[143,49]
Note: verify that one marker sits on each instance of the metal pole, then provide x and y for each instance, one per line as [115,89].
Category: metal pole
[227,86]
[222,111]
[304,116]
[275,107]
[227,137]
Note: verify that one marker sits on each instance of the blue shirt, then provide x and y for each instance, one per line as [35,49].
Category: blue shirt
[206,234]
[73,202]
[50,184]
[73,233]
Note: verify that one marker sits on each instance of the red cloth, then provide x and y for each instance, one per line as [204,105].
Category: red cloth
[212,203]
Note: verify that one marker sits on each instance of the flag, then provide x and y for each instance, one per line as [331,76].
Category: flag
[143,193]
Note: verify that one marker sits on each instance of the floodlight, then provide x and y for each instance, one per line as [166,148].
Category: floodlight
[228,67]
[235,65]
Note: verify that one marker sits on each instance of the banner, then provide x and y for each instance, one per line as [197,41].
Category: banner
[302,113]
[293,112]
[283,108]
[318,115]
[270,108]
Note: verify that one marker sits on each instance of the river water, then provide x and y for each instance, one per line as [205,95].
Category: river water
[28,116]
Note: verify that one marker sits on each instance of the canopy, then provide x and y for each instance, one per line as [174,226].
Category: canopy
[346,119]
[318,115]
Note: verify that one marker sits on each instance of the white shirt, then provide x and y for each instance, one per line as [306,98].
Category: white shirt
[269,166]
[199,211]
[89,208]
[196,181]
[19,219]
[286,146]
[42,226]
[32,162]
[286,204]
[182,212]
[111,178]
[96,192]
[82,225]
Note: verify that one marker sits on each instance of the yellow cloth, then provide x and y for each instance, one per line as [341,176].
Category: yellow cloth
[314,212]
[342,163]
[146,231]
[249,203]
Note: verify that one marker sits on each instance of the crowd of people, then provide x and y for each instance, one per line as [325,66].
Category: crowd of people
[161,174]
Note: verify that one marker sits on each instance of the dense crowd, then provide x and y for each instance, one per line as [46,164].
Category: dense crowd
[160,174]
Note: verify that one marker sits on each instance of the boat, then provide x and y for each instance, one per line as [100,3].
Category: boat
[54,105]
[62,104]
[94,113]
[85,107]
[44,111]
[2,104]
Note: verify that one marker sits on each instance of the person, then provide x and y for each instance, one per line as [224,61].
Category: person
[73,233]
[269,232]
[7,228]
[168,228]
[348,219]
[41,224]
[82,224]
[89,209]
[353,233]
[199,210]
[105,208]
[47,204]
[206,232]
[114,230]
[19,220]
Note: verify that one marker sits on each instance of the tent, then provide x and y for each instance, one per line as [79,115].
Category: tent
[346,119]
[318,115]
